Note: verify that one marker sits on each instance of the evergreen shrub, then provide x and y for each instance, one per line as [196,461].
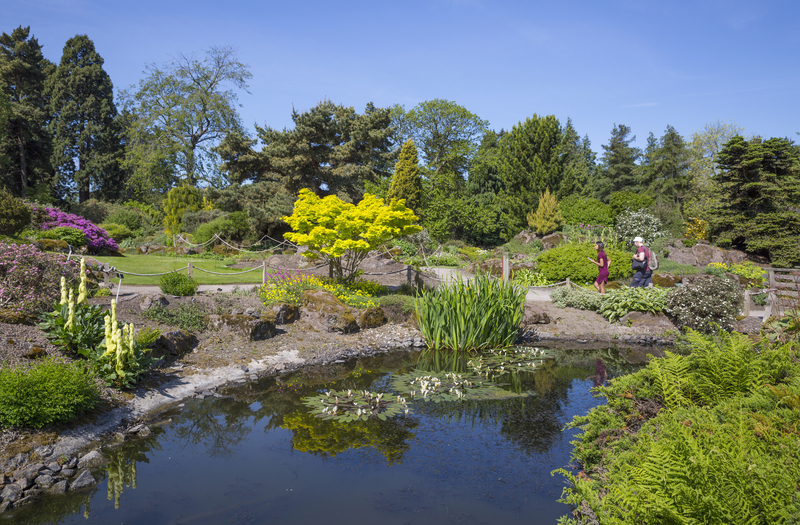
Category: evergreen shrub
[570,261]
[620,201]
[585,210]
[193,219]
[68,234]
[704,303]
[118,232]
[548,217]
[180,284]
[128,216]
[14,214]
[50,392]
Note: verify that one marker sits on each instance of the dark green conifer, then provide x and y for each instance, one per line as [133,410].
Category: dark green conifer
[406,183]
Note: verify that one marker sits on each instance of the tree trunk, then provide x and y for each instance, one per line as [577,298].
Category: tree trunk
[23,164]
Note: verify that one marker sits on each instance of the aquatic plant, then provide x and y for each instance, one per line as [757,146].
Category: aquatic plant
[356,405]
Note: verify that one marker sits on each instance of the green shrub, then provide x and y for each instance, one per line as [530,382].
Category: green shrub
[73,236]
[570,261]
[233,226]
[576,297]
[716,269]
[527,278]
[622,301]
[691,242]
[585,210]
[471,314]
[704,303]
[517,246]
[445,259]
[193,219]
[748,270]
[50,392]
[628,200]
[147,337]
[15,215]
[118,232]
[180,284]
[409,249]
[403,301]
[93,210]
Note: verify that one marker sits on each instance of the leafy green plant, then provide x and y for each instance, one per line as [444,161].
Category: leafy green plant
[50,392]
[622,301]
[527,278]
[68,234]
[185,316]
[74,323]
[179,284]
[350,406]
[585,210]
[517,246]
[748,270]
[471,314]
[717,269]
[705,303]
[15,215]
[631,224]
[676,268]
[118,232]
[570,261]
[147,337]
[120,360]
[576,297]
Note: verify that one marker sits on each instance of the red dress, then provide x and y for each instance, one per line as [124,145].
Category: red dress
[603,260]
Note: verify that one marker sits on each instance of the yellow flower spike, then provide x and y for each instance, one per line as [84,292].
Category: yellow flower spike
[131,342]
[70,324]
[63,290]
[113,313]
[82,286]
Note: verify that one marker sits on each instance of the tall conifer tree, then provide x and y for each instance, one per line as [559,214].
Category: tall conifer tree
[619,169]
[86,140]
[406,183]
[25,143]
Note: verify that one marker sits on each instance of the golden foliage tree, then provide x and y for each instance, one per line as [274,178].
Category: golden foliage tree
[548,217]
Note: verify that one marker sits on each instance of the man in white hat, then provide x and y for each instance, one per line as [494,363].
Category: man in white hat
[643,275]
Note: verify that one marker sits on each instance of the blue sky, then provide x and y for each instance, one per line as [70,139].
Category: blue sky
[601,63]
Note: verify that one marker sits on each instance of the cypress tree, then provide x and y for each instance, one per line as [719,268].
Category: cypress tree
[84,126]
[406,183]
[548,217]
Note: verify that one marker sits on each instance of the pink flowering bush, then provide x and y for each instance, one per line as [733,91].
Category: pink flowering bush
[96,238]
[30,280]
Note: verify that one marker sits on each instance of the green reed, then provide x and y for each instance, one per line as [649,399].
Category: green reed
[471,314]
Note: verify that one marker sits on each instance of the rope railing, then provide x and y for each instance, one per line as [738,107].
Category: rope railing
[231,273]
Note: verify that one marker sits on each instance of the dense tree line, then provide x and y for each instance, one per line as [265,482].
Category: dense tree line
[64,141]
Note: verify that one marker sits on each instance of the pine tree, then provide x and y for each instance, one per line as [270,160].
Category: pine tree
[619,170]
[25,143]
[406,183]
[84,126]
[548,217]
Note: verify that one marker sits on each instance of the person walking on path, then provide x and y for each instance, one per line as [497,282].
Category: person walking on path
[602,263]
[643,275]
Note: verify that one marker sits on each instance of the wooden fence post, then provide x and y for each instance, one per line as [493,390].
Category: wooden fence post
[408,275]
[568,283]
[107,275]
[746,303]
[264,273]
[506,269]
[191,273]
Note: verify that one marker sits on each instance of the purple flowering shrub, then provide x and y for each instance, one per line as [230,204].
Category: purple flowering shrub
[30,280]
[96,238]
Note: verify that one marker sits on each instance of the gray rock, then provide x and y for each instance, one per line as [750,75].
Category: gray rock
[251,312]
[286,313]
[67,472]
[59,488]
[54,466]
[46,472]
[645,321]
[534,315]
[44,451]
[748,325]
[174,343]
[11,493]
[28,471]
[84,479]
[326,313]
[4,506]
[92,459]
[24,483]
[72,463]
[152,299]
[45,481]
[243,326]
[16,461]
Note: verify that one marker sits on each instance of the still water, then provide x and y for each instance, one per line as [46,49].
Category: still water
[257,455]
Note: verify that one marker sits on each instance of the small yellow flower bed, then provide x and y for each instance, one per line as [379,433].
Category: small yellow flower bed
[289,288]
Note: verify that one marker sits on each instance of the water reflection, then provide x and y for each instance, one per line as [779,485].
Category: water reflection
[468,460]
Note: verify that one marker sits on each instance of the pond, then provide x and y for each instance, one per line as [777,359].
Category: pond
[257,454]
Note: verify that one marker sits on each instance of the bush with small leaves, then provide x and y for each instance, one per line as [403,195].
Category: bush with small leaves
[49,393]
[118,232]
[68,234]
[631,224]
[14,214]
[571,261]
[576,297]
[704,303]
[180,284]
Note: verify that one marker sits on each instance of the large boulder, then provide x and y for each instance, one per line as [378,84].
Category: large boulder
[703,254]
[534,314]
[286,313]
[174,344]
[526,236]
[325,312]
[371,318]
[666,280]
[254,329]
[553,240]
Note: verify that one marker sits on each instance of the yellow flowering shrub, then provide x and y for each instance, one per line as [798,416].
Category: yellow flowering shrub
[288,288]
[696,229]
[342,234]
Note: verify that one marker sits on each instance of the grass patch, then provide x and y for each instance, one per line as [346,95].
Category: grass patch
[675,268]
[187,317]
[160,264]
[405,302]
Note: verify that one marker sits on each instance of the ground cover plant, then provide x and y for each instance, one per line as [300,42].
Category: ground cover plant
[188,317]
[622,301]
[576,297]
[471,314]
[48,393]
[710,437]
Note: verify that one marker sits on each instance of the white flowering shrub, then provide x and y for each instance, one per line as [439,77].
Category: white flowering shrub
[705,302]
[632,224]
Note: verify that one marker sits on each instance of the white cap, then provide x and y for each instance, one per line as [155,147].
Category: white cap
[638,239]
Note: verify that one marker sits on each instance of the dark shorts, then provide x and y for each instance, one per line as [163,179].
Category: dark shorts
[642,278]
[603,277]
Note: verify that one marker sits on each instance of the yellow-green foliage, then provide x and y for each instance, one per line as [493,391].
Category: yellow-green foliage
[289,289]
[406,183]
[341,233]
[696,229]
[548,217]
[176,203]
[710,437]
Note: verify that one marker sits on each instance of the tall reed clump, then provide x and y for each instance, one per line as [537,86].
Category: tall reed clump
[471,314]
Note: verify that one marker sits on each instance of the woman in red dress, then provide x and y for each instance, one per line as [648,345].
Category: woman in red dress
[602,263]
